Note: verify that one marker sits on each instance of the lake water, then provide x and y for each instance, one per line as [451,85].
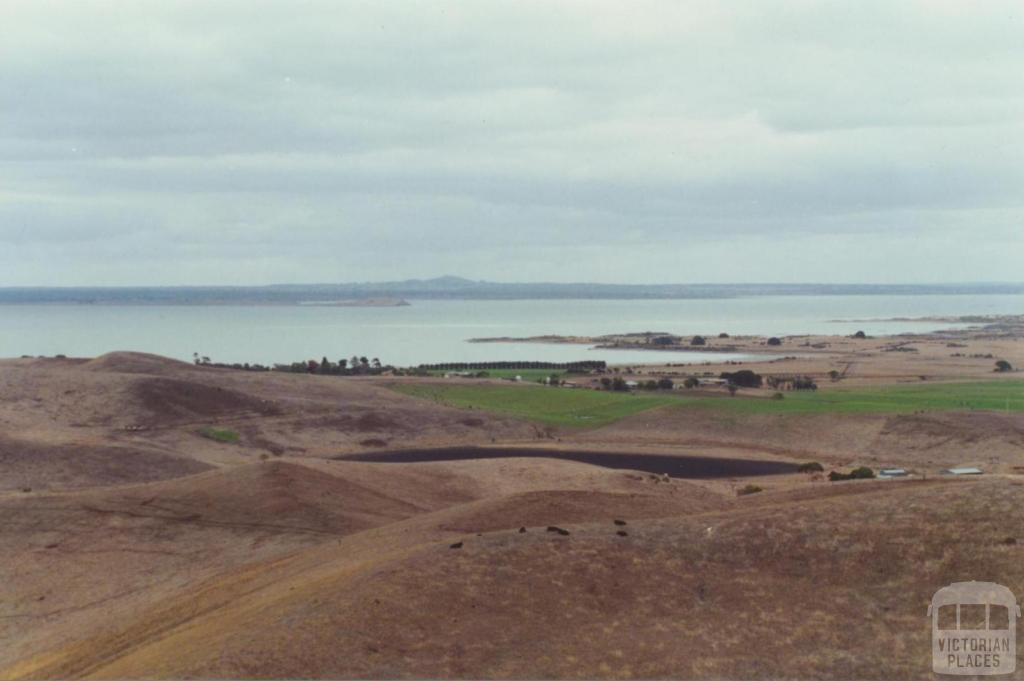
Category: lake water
[694,467]
[431,331]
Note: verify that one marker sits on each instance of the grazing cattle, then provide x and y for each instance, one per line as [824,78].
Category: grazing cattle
[622,533]
[456,545]
[619,522]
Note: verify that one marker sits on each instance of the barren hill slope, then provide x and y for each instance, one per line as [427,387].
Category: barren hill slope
[752,591]
[130,417]
[121,550]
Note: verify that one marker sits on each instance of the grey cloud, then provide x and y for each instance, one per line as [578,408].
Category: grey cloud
[483,134]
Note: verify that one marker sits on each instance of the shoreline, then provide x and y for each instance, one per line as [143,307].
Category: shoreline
[979,326]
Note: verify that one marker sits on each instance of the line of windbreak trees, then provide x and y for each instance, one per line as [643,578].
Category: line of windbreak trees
[356,366]
[581,367]
[362,366]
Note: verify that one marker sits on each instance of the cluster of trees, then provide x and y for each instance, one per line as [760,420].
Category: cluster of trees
[356,366]
[862,473]
[570,367]
[744,378]
[792,383]
[673,340]
[343,367]
[207,362]
[619,384]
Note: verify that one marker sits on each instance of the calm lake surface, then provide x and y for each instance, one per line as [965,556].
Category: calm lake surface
[673,466]
[431,331]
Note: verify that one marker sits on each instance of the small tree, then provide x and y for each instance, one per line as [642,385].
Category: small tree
[1003,365]
[744,378]
[774,341]
[732,387]
[698,340]
[860,334]
[665,384]
[834,375]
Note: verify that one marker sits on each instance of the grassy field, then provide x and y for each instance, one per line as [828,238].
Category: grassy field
[554,406]
[225,436]
[988,395]
[562,407]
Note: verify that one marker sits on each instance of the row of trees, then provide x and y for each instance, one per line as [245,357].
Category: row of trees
[354,366]
[204,361]
[585,366]
[619,384]
[792,383]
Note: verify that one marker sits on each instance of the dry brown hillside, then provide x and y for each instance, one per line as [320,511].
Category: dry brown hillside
[801,589]
[137,546]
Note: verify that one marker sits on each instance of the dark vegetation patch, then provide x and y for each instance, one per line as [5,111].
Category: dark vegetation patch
[171,400]
[810,467]
[220,435]
[39,466]
[373,421]
[862,473]
[365,422]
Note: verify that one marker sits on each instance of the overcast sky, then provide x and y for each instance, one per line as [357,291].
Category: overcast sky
[249,143]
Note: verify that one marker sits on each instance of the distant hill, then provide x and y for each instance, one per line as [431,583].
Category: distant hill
[458,288]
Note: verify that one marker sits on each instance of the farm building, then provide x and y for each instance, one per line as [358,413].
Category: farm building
[963,470]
